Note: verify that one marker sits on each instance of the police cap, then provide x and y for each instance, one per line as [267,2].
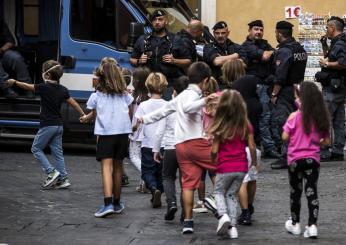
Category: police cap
[285,25]
[220,25]
[258,23]
[336,18]
[157,13]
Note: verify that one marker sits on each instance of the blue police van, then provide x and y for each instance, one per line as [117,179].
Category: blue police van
[78,33]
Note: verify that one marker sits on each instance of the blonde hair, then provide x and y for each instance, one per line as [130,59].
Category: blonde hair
[230,117]
[231,71]
[210,87]
[111,80]
[156,83]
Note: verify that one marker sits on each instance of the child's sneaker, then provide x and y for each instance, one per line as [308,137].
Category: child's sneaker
[51,178]
[125,180]
[156,198]
[233,232]
[224,223]
[62,184]
[210,203]
[245,217]
[200,207]
[104,211]
[171,210]
[311,231]
[293,229]
[118,208]
[188,227]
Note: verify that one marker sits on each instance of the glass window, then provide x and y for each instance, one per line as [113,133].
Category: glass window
[31,17]
[103,21]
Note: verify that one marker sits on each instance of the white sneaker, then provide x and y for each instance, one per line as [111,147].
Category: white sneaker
[200,208]
[51,179]
[233,232]
[311,231]
[224,223]
[293,229]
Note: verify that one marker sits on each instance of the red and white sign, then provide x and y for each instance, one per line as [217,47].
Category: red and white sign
[292,12]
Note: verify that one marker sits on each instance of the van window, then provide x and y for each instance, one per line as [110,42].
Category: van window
[31,17]
[103,21]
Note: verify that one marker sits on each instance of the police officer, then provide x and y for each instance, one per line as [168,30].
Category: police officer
[259,53]
[11,62]
[333,80]
[184,45]
[154,50]
[289,62]
[222,49]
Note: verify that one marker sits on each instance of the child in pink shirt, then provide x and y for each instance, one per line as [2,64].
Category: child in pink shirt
[232,132]
[305,130]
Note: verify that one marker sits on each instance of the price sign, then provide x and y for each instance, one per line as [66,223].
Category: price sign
[292,12]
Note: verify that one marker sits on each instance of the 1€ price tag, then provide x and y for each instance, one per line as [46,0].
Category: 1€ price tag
[292,12]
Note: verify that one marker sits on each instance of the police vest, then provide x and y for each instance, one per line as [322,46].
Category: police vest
[297,69]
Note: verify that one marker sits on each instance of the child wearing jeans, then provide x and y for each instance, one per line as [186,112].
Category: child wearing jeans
[151,170]
[305,130]
[111,107]
[231,131]
[51,124]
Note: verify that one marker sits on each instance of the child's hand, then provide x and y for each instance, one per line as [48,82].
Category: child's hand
[83,119]
[136,126]
[157,157]
[10,82]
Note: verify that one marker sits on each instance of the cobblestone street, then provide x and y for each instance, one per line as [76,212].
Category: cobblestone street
[30,215]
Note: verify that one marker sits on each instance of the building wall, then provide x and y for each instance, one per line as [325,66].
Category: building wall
[238,13]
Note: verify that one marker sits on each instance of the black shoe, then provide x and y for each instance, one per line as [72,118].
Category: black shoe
[336,157]
[171,210]
[251,208]
[271,154]
[156,199]
[325,159]
[29,95]
[10,94]
[279,164]
[245,217]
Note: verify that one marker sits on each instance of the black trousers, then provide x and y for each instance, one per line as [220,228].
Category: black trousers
[306,169]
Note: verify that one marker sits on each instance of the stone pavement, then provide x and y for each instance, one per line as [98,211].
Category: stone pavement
[30,215]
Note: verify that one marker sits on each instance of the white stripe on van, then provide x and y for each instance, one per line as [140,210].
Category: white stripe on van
[75,81]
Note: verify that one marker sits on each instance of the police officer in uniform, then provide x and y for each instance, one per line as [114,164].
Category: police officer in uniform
[259,53]
[333,80]
[221,50]
[154,50]
[289,62]
[184,45]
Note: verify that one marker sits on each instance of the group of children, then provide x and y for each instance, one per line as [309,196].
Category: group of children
[199,129]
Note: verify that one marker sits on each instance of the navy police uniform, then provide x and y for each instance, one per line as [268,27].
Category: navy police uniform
[334,93]
[262,70]
[184,47]
[214,49]
[289,64]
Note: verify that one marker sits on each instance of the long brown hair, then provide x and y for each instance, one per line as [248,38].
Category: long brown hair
[231,71]
[111,80]
[313,107]
[231,117]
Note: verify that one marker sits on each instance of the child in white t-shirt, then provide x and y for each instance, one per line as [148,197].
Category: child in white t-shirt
[110,104]
[151,171]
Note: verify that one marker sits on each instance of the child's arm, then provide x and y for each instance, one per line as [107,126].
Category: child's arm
[285,137]
[86,118]
[75,106]
[252,148]
[325,141]
[22,85]
[215,149]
